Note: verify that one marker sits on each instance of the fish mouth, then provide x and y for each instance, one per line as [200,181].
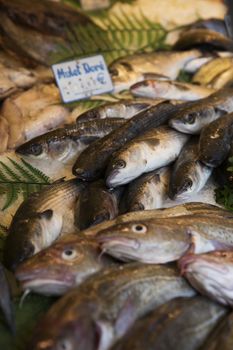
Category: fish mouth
[109,243]
[110,179]
[45,286]
[186,262]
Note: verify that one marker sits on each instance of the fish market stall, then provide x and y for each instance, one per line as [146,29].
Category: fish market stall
[116,174]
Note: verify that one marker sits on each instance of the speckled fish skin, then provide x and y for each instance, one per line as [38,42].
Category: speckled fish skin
[170,90]
[65,144]
[211,274]
[215,141]
[103,308]
[180,324]
[5,300]
[149,191]
[193,118]
[189,175]
[123,109]
[96,204]
[129,70]
[222,335]
[39,221]
[156,148]
[154,241]
[93,161]
[66,264]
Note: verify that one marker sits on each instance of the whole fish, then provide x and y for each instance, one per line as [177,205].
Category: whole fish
[63,266]
[201,37]
[92,162]
[222,335]
[193,118]
[5,300]
[96,204]
[40,220]
[157,241]
[170,90]
[215,141]
[189,175]
[211,274]
[123,109]
[129,70]
[153,149]
[180,324]
[149,191]
[104,307]
[65,144]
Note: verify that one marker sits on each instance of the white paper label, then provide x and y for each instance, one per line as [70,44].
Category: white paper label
[82,78]
[94,4]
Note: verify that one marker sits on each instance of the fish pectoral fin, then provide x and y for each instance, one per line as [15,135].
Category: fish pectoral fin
[198,243]
[125,318]
[47,214]
[105,332]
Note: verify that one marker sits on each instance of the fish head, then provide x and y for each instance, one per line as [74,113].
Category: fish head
[123,75]
[64,265]
[35,148]
[151,88]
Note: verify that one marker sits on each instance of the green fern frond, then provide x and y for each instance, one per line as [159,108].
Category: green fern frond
[40,176]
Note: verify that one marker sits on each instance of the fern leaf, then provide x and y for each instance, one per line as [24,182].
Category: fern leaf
[11,195]
[36,172]
[10,172]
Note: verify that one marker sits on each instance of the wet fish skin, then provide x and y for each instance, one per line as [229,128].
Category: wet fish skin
[188,175]
[210,274]
[107,304]
[92,162]
[5,300]
[180,324]
[170,90]
[215,24]
[155,148]
[64,265]
[200,113]
[215,141]
[96,204]
[157,242]
[39,220]
[65,144]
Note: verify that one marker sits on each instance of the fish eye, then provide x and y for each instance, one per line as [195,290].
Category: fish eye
[64,344]
[69,254]
[139,228]
[190,118]
[127,66]
[120,164]
[189,183]
[36,149]
[114,72]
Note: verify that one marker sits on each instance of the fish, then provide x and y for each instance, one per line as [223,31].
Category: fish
[7,87]
[123,109]
[215,141]
[188,175]
[156,241]
[210,274]
[66,264]
[4,134]
[221,337]
[39,220]
[5,301]
[170,90]
[96,204]
[158,147]
[65,144]
[192,119]
[148,191]
[102,309]
[179,324]
[222,174]
[128,70]
[92,162]
[203,38]
[223,80]
[215,24]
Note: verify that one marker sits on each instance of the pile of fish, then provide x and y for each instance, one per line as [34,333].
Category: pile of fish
[129,272]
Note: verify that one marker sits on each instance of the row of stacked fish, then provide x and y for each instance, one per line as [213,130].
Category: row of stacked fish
[131,275]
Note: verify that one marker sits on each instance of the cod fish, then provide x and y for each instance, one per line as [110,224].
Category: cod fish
[155,148]
[124,109]
[157,241]
[222,335]
[215,141]
[65,144]
[40,220]
[149,191]
[193,118]
[210,274]
[170,90]
[96,204]
[129,70]
[104,307]
[5,300]
[63,266]
[92,162]
[188,175]
[179,324]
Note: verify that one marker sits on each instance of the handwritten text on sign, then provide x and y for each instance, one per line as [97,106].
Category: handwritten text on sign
[80,79]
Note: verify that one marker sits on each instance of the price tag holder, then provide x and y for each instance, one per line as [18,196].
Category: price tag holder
[82,78]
